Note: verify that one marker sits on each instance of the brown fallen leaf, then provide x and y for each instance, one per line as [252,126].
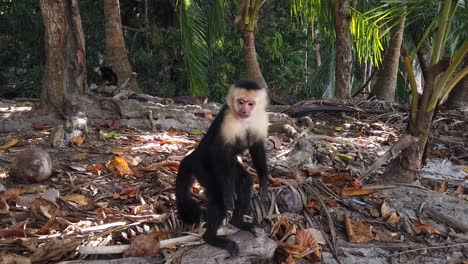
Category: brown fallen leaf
[283,228]
[77,198]
[293,250]
[143,245]
[43,209]
[289,260]
[95,168]
[54,250]
[337,178]
[9,144]
[385,235]
[14,192]
[78,140]
[442,187]
[306,239]
[393,218]
[132,192]
[274,182]
[423,228]
[357,231]
[356,191]
[385,210]
[119,165]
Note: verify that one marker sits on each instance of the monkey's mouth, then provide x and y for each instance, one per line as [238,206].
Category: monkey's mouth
[244,116]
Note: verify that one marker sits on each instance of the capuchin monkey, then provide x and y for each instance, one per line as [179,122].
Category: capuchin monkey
[241,124]
[108,76]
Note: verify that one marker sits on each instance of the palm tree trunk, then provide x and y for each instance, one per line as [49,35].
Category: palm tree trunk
[250,58]
[116,53]
[385,85]
[65,69]
[343,50]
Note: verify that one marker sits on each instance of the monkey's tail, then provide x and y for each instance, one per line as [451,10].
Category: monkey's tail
[187,208]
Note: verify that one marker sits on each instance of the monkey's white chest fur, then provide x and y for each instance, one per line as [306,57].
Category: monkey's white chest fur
[235,129]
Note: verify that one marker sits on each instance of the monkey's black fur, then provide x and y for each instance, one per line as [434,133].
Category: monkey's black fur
[108,75]
[226,182]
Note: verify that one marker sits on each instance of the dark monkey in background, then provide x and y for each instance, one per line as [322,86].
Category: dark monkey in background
[108,76]
[241,124]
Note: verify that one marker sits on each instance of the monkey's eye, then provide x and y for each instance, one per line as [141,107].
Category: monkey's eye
[241,102]
[251,104]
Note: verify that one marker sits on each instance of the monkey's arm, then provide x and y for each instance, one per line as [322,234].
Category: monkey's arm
[257,151]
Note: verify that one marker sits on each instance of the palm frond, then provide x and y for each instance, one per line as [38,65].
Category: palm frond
[193,25]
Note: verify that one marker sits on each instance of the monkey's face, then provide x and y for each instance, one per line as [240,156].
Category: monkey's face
[98,70]
[245,103]
[244,107]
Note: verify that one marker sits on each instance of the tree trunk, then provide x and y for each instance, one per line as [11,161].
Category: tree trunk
[387,79]
[65,69]
[458,97]
[406,167]
[250,58]
[343,50]
[116,53]
[318,55]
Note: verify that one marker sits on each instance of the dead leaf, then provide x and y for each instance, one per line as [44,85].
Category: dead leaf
[283,228]
[95,168]
[443,187]
[77,198]
[80,156]
[43,209]
[14,192]
[313,172]
[289,260]
[357,231]
[424,228]
[294,250]
[55,250]
[143,245]
[337,178]
[385,235]
[140,208]
[121,151]
[385,210]
[355,191]
[120,166]
[132,192]
[274,182]
[78,140]
[464,168]
[4,207]
[172,165]
[306,239]
[9,144]
[42,126]
[374,212]
[393,218]
[313,204]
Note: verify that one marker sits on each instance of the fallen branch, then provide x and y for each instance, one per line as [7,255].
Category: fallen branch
[447,219]
[117,249]
[405,141]
[427,248]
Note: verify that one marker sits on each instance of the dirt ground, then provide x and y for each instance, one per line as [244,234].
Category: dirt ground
[118,183]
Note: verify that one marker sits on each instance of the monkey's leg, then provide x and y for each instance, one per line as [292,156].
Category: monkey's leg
[216,213]
[243,192]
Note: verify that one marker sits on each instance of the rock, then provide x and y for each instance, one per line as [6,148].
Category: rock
[252,250]
[289,201]
[31,165]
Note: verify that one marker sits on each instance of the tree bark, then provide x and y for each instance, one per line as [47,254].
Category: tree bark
[65,69]
[250,58]
[116,52]
[343,50]
[458,97]
[385,86]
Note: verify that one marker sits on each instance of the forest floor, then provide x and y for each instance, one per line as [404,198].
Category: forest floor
[118,183]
